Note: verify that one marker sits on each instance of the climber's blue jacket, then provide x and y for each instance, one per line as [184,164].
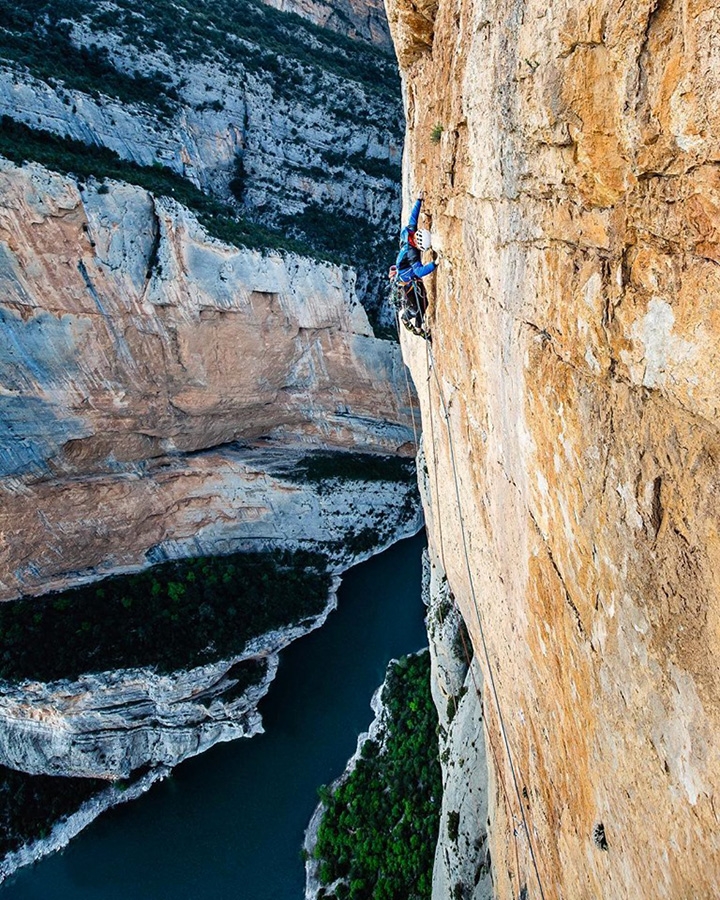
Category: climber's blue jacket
[409,262]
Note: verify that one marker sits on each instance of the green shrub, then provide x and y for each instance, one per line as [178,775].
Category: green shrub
[238,181]
[453,825]
[43,45]
[379,831]
[436,133]
[461,645]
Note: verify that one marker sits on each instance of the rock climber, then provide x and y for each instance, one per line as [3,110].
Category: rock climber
[409,270]
[409,260]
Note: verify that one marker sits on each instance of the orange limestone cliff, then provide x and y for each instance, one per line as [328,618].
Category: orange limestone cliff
[569,153]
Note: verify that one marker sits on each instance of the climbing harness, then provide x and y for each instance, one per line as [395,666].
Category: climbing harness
[409,298]
[430,362]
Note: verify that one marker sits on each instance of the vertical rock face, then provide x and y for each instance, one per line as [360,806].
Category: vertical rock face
[139,356]
[570,416]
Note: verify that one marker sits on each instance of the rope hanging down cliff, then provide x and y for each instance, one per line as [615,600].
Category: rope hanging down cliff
[486,654]
[468,656]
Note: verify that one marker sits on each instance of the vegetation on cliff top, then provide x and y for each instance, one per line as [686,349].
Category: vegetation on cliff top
[31,805]
[173,616]
[138,53]
[377,837]
[20,144]
[320,232]
[247,33]
[324,468]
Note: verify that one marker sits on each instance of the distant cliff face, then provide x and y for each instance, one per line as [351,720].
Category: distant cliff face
[574,188]
[359,19]
[139,356]
[298,127]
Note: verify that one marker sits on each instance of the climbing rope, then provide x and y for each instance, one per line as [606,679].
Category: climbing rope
[505,794]
[468,656]
[407,386]
[435,466]
[491,677]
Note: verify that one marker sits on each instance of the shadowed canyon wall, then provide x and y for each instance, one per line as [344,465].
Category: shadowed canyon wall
[570,419]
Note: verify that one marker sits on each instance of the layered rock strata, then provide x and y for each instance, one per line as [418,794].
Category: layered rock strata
[570,395]
[110,724]
[142,359]
[361,19]
[274,118]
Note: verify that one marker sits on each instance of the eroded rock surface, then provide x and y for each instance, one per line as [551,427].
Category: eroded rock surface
[110,724]
[360,19]
[140,357]
[296,127]
[573,399]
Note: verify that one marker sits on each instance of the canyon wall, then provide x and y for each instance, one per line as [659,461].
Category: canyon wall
[292,125]
[570,401]
[154,380]
[161,390]
[360,19]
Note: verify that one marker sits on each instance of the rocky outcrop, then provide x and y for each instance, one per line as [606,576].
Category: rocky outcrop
[271,116]
[284,153]
[572,398]
[462,859]
[110,724]
[143,359]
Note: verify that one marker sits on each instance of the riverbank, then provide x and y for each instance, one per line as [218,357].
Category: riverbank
[194,697]
[231,821]
[373,835]
[68,828]
[312,865]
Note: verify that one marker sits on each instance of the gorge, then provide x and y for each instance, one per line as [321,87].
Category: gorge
[157,378]
[188,365]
